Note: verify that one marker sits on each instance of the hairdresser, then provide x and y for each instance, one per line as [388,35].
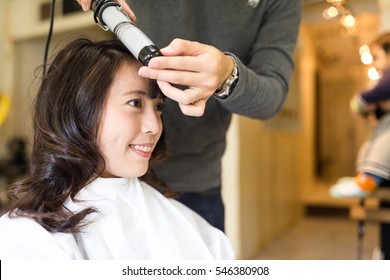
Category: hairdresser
[228,57]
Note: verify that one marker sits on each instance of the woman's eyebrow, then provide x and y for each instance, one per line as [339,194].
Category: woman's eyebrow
[138,92]
[144,94]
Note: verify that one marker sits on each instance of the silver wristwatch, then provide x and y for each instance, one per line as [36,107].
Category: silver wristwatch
[229,84]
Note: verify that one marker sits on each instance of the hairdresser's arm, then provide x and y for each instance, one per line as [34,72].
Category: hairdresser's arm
[263,82]
[86,5]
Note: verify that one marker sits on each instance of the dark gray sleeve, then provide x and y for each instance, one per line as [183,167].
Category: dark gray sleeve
[263,84]
[380,92]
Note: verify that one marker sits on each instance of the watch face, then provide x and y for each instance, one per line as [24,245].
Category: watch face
[223,94]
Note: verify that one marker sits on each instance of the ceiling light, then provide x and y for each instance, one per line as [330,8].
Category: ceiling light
[364,49]
[348,21]
[366,58]
[373,74]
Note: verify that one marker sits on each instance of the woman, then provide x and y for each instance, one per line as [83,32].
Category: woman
[97,125]
[373,163]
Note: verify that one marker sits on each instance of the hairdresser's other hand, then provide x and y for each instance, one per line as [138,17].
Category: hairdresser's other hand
[86,5]
[360,108]
[202,68]
[385,105]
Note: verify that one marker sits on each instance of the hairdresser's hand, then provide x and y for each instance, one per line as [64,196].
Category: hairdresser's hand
[86,5]
[385,105]
[202,68]
[360,108]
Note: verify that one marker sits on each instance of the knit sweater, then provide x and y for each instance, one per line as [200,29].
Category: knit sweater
[261,35]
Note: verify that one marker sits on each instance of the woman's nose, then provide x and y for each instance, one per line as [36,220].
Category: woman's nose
[152,122]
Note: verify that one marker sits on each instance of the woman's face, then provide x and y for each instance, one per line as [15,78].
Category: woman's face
[130,125]
[381,60]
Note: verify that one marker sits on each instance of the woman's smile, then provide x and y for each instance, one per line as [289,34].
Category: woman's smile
[144,150]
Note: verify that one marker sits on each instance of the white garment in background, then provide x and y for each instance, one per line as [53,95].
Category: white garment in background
[134,222]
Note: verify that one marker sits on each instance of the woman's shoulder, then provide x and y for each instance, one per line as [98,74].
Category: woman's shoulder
[216,241]
[11,223]
[24,238]
[172,205]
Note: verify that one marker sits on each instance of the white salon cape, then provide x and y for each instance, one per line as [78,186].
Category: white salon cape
[134,222]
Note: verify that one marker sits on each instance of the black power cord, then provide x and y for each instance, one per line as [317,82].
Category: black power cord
[49,36]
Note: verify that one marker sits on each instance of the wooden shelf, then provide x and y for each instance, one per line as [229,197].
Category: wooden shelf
[319,196]
[32,27]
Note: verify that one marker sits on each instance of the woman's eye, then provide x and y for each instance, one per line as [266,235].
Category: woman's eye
[135,102]
[160,106]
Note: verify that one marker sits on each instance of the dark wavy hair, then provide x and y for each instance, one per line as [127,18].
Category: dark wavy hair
[383,41]
[67,112]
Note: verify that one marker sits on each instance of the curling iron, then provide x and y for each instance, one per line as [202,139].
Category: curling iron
[110,16]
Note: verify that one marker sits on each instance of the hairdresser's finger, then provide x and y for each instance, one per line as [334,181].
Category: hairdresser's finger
[127,10]
[186,63]
[172,76]
[195,109]
[178,95]
[191,101]
[85,4]
[187,96]
[180,47]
